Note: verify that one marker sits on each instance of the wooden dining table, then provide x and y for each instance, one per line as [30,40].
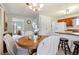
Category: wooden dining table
[26,42]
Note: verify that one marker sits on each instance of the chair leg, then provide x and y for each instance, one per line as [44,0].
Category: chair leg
[33,51]
[62,44]
[75,50]
[78,49]
[65,51]
[68,48]
[59,46]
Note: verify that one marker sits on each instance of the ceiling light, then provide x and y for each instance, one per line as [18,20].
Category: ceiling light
[72,8]
[68,10]
[35,6]
[41,5]
[30,6]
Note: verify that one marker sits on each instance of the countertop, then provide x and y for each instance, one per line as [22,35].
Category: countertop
[69,33]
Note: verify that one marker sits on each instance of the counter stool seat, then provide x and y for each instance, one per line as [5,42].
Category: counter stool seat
[64,45]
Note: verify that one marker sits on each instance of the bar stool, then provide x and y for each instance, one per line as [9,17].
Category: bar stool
[64,45]
[60,44]
[76,48]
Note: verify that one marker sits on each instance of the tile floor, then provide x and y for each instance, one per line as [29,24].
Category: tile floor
[59,52]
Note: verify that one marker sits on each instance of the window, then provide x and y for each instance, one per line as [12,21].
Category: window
[18,24]
[77,21]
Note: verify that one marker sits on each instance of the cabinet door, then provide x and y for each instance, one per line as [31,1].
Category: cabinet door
[69,21]
[44,25]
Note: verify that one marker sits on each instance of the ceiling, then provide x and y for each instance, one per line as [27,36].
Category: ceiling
[49,9]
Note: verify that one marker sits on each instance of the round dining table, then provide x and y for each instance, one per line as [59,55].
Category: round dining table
[26,42]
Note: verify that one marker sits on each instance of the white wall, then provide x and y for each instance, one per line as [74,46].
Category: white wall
[43,22]
[27,27]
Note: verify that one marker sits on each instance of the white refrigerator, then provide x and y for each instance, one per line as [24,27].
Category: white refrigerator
[58,27]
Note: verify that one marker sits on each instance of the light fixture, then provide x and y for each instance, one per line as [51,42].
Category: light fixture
[71,9]
[67,11]
[34,6]
[63,12]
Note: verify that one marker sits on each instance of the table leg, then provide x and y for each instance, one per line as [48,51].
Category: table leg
[33,51]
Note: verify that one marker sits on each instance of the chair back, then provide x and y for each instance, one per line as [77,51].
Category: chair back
[54,44]
[44,46]
[48,46]
[10,44]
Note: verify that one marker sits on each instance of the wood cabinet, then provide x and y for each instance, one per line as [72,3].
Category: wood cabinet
[69,21]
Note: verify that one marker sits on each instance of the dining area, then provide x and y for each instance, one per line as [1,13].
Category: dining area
[25,46]
[56,44]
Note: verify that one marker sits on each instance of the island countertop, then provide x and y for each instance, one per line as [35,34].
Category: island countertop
[69,33]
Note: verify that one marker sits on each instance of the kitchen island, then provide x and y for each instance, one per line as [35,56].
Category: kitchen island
[71,36]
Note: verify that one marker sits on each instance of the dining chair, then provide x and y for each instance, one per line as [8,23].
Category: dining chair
[49,46]
[11,46]
[54,44]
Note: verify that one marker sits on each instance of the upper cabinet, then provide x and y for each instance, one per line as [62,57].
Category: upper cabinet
[69,21]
